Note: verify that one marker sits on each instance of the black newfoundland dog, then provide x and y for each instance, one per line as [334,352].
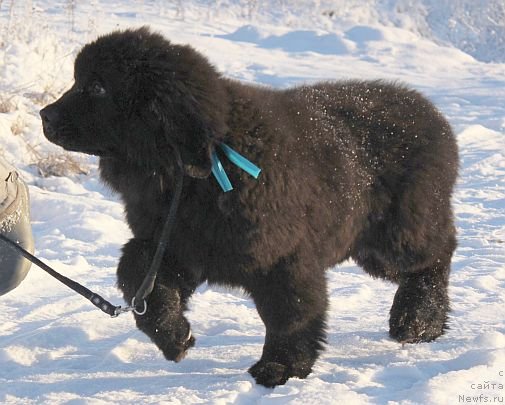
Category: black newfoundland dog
[353,169]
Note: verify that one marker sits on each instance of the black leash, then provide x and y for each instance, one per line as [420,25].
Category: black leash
[147,285]
[95,299]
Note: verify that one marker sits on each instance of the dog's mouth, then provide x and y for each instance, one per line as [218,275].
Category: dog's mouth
[68,143]
[86,150]
[57,131]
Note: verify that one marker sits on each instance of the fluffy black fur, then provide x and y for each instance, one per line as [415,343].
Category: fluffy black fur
[361,170]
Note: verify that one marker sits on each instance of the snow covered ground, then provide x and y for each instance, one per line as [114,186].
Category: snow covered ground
[55,348]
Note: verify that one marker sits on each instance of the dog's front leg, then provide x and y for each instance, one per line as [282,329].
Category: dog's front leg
[163,321]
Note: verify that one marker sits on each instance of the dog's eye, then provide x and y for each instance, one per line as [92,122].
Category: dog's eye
[96,89]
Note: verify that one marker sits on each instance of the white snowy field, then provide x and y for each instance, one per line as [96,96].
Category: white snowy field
[56,348]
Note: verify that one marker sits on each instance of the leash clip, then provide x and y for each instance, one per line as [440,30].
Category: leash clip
[135,310]
[131,308]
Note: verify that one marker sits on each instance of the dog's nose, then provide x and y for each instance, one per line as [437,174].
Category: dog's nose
[49,115]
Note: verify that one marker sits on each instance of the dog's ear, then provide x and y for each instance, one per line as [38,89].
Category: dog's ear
[186,97]
[183,125]
[189,128]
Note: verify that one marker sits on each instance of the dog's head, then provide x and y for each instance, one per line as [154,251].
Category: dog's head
[135,96]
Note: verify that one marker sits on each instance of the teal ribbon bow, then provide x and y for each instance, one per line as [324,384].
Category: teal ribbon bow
[238,160]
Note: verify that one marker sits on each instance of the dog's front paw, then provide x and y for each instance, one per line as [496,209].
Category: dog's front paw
[176,351]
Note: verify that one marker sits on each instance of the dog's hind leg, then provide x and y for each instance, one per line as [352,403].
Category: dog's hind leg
[164,321]
[420,264]
[292,302]
[421,303]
